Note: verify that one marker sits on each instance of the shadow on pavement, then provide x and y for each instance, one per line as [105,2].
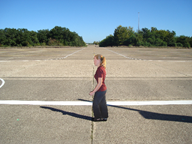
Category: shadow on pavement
[156,116]
[68,113]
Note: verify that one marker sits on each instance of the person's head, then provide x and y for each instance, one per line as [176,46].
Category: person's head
[99,60]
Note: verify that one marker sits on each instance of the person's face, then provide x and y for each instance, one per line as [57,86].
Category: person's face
[96,62]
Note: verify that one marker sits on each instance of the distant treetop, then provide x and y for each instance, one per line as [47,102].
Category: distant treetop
[125,36]
[58,36]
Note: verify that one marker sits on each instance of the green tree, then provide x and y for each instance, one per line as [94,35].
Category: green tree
[42,36]
[139,39]
[146,34]
[66,37]
[9,37]
[108,41]
[24,38]
[159,42]
[190,41]
[121,34]
[170,38]
[2,37]
[145,37]
[184,41]
[162,34]
[33,38]
[57,36]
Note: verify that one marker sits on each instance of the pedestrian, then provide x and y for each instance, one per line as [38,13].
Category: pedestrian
[99,101]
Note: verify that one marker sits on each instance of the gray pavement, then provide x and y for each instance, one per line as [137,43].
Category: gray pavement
[45,124]
[155,53]
[132,75]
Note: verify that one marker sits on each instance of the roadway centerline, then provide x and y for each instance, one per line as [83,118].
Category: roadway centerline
[88,103]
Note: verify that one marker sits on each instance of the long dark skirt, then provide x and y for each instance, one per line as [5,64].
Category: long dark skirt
[100,105]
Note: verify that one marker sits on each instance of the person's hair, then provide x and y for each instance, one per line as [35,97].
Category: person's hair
[102,58]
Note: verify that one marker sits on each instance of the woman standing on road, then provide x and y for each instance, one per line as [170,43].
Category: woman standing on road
[99,101]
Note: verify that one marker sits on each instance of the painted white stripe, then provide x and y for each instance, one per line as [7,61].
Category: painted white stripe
[18,102]
[170,60]
[3,82]
[176,102]
[21,60]
[149,60]
[69,54]
[46,59]
[123,55]
[74,53]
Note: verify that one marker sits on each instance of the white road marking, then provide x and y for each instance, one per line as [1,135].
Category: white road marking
[25,60]
[173,102]
[45,59]
[87,103]
[69,54]
[3,82]
[119,54]
[74,53]
[123,55]
[170,60]
[149,60]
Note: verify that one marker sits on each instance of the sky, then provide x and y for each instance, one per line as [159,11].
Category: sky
[94,20]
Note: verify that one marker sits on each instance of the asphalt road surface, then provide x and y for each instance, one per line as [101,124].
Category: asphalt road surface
[66,75]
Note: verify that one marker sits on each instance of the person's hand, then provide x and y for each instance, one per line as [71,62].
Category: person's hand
[91,93]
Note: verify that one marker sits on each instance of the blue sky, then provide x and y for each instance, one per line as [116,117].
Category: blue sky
[96,19]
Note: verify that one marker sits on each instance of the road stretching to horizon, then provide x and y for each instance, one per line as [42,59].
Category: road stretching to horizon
[46,91]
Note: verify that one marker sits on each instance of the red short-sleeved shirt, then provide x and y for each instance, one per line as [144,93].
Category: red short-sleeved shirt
[101,72]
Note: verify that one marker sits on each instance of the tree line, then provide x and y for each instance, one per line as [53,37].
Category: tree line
[145,37]
[58,36]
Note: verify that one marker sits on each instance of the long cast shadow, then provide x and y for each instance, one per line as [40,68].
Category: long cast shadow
[68,113]
[156,116]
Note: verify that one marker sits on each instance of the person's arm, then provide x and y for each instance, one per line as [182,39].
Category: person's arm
[97,86]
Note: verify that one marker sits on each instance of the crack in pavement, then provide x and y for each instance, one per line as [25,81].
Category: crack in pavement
[92,124]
